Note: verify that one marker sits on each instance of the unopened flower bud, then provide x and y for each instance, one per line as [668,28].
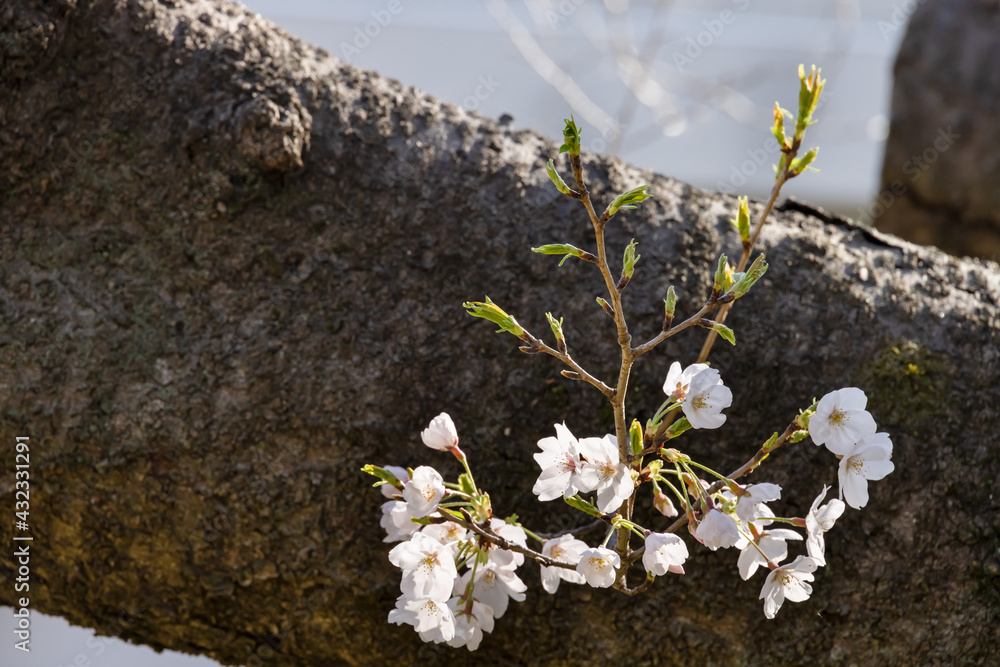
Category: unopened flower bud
[663,504]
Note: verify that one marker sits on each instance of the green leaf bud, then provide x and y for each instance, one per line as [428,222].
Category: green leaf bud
[628,264]
[564,249]
[742,221]
[810,88]
[677,428]
[778,130]
[722,329]
[571,138]
[584,506]
[627,200]
[723,276]
[800,164]
[607,307]
[749,277]
[490,311]
[635,437]
[384,476]
[557,330]
[669,306]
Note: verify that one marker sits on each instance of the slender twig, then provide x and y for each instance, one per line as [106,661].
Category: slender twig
[568,360]
[720,317]
[493,538]
[574,531]
[621,584]
[677,328]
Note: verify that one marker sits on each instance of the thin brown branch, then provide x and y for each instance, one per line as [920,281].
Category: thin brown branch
[493,538]
[569,361]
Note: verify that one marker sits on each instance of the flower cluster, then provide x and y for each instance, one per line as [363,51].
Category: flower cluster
[455,581]
[442,604]
[459,563]
[738,516]
[848,430]
[570,466]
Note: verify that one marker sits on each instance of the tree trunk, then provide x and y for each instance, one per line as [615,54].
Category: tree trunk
[232,269]
[940,174]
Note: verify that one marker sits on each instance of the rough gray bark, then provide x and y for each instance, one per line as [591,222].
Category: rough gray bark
[232,270]
[940,174]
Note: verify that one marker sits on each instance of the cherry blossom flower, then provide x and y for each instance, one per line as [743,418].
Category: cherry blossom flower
[869,460]
[397,521]
[678,381]
[441,433]
[560,463]
[706,397]
[788,582]
[717,529]
[494,586]
[424,491]
[603,472]
[820,520]
[470,626]
[598,566]
[748,506]
[772,543]
[505,558]
[433,619]
[388,490]
[841,420]
[664,553]
[565,549]
[756,527]
[449,534]
[428,568]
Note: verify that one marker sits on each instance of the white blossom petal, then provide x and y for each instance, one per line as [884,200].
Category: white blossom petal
[664,553]
[433,619]
[565,549]
[397,521]
[788,582]
[560,462]
[818,521]
[677,382]
[705,400]
[424,491]
[841,420]
[598,566]
[717,529]
[869,460]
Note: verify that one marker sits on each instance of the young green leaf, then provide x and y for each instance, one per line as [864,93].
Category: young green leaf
[492,312]
[571,138]
[627,200]
[550,169]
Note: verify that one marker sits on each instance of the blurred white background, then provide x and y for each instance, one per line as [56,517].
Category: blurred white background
[684,88]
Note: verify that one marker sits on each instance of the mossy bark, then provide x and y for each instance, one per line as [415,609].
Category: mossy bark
[231,275]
